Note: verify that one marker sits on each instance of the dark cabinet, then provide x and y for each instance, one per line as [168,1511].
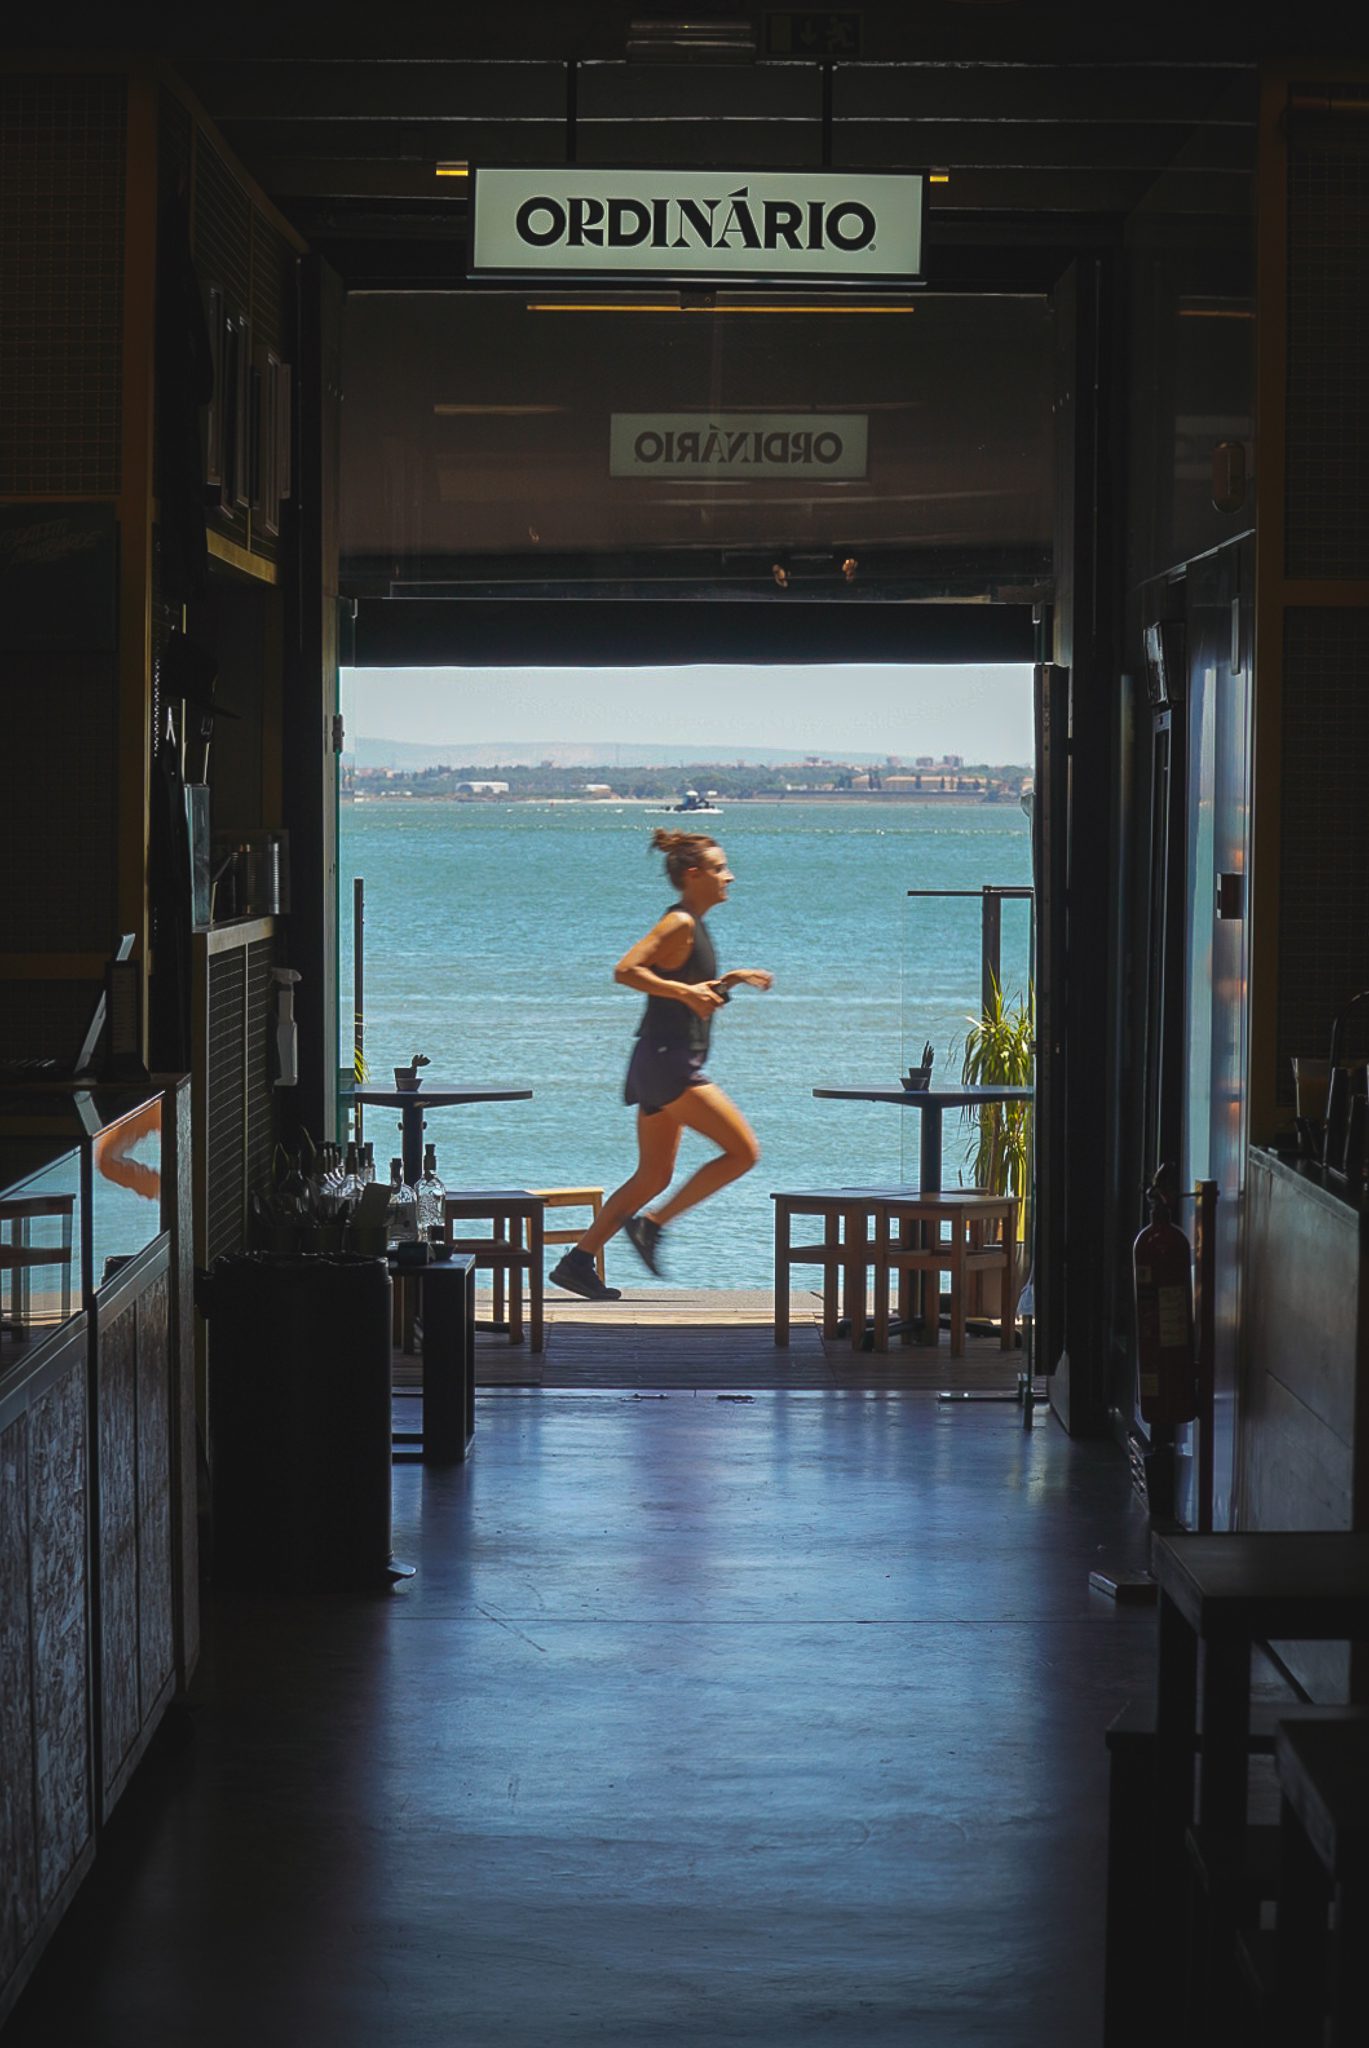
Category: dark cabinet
[97,1475]
[133,1490]
[47,1766]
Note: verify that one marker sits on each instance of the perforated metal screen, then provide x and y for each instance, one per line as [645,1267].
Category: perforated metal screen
[241,1122]
[1324,907]
[62,148]
[1327,503]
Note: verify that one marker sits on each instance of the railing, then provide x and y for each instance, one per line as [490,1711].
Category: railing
[992,897]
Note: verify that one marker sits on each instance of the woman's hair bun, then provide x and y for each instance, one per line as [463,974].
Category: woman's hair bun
[682,850]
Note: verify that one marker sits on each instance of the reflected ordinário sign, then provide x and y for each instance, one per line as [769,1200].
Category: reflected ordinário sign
[730,446]
[732,226]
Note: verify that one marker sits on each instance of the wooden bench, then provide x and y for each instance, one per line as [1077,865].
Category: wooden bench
[843,1254]
[1321,1976]
[513,1249]
[980,1237]
[572,1198]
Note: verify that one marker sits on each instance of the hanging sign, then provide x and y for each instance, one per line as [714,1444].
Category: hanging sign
[743,227]
[737,446]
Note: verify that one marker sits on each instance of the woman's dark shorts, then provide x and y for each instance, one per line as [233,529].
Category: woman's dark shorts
[659,1074]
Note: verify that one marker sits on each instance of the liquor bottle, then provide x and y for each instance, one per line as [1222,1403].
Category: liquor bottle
[432,1198]
[325,1181]
[368,1163]
[349,1189]
[402,1226]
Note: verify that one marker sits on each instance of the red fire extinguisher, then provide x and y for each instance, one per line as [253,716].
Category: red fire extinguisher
[1162,1267]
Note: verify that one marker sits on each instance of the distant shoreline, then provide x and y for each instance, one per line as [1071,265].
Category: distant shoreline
[648,803]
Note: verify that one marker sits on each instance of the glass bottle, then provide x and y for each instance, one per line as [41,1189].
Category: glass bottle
[349,1190]
[402,1226]
[432,1198]
[368,1163]
[324,1181]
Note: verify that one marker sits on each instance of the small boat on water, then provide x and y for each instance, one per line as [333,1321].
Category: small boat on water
[692,805]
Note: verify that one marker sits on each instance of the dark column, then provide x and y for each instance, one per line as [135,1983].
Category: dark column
[1089,517]
[311,665]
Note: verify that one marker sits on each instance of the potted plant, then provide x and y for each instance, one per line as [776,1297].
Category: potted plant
[1000,1048]
[408,1078]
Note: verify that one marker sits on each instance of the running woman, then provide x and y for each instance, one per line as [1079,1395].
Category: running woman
[676,969]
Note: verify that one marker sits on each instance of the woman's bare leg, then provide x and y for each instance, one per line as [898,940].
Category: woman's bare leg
[709,1112]
[658,1142]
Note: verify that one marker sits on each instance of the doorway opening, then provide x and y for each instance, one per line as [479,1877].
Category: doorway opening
[500,825]
[800,539]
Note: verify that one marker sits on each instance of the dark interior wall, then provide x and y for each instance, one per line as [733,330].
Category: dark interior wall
[1189,264]
[478,425]
[242,627]
[1323,931]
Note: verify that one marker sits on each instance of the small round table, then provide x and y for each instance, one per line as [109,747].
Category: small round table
[411,1103]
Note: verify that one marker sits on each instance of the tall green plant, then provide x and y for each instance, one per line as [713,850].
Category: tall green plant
[1000,1047]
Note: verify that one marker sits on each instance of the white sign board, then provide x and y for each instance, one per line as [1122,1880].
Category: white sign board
[737,446]
[732,226]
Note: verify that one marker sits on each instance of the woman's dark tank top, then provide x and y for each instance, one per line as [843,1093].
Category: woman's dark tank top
[666,1022]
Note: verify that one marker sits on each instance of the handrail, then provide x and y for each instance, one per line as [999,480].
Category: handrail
[991,896]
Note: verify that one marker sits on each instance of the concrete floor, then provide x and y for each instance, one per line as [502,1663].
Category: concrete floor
[704,1721]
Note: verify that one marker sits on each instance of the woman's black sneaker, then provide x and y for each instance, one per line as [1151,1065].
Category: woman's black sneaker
[578,1274]
[645,1238]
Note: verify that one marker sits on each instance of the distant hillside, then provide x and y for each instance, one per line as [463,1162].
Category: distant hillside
[381,753]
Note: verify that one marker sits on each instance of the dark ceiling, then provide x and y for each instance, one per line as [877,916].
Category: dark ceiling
[1053,121]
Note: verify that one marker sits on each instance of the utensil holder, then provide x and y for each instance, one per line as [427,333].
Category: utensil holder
[1344,1085]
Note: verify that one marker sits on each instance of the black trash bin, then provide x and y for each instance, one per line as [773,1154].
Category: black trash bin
[299,1420]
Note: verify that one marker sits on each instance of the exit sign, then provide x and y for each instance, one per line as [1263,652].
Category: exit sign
[812,32]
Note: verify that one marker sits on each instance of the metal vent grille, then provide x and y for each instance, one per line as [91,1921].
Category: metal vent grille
[62,152]
[272,310]
[259,1095]
[270,261]
[57,822]
[227,1131]
[1324,903]
[1327,505]
[222,226]
[222,239]
[173,145]
[241,1132]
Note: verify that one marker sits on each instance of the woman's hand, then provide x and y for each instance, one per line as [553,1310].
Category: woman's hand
[754,977]
[702,997]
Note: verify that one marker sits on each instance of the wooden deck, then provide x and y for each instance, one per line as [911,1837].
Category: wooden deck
[675,1338]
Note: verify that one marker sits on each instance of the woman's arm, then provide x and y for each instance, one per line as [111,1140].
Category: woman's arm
[753,977]
[647,966]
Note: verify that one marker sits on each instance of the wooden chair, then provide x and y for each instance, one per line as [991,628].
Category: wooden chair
[513,1249]
[843,1254]
[571,1198]
[980,1233]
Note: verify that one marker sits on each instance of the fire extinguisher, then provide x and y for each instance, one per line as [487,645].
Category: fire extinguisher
[1162,1268]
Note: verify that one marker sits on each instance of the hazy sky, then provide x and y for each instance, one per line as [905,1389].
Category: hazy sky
[984,713]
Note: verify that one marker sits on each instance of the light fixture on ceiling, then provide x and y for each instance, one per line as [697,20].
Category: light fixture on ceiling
[849,568]
[452,170]
[448,412]
[668,41]
[780,574]
[702,304]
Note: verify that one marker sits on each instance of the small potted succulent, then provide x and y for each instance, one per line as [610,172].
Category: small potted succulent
[408,1078]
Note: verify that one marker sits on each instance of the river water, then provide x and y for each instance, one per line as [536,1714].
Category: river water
[491,933]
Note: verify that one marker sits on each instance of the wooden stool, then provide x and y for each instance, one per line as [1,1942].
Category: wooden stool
[513,1248]
[1324,1780]
[844,1254]
[909,1242]
[572,1198]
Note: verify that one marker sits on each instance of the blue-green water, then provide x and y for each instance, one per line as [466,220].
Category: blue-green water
[491,934]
